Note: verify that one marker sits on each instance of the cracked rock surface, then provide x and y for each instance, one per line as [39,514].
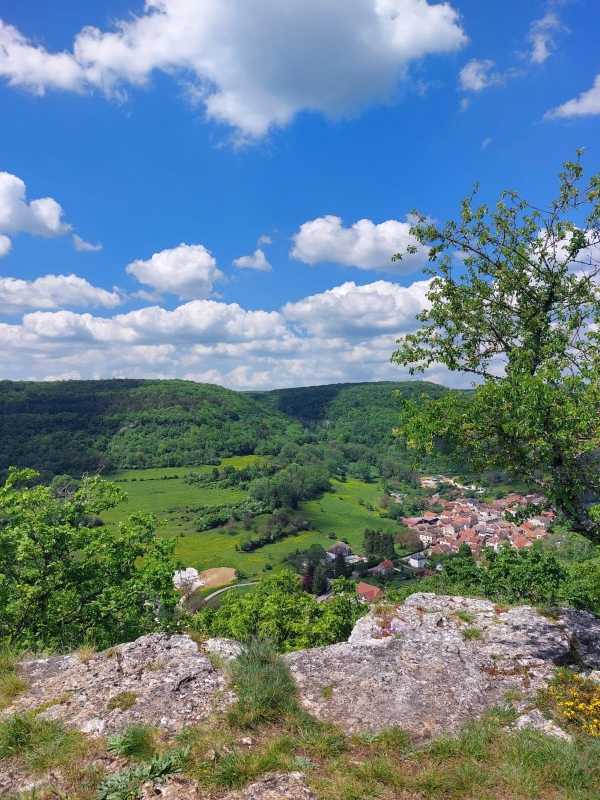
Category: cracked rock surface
[165,679]
[435,662]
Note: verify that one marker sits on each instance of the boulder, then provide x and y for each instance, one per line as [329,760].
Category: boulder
[433,663]
[160,679]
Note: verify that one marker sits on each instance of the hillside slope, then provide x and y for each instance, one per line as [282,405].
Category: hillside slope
[87,426]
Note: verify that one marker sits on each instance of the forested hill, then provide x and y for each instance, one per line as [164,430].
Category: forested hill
[79,426]
[361,412]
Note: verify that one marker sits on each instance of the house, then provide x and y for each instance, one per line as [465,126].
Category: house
[336,549]
[368,592]
[384,568]
[417,560]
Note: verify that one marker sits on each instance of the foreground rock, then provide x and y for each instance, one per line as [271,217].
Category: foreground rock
[158,680]
[434,663]
[274,786]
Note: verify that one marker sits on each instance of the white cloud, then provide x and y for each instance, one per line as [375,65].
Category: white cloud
[365,244]
[83,246]
[464,104]
[53,291]
[188,271]
[478,75]
[345,334]
[264,239]
[42,217]
[587,104]
[252,65]
[541,37]
[256,261]
[486,142]
[351,311]
[5,245]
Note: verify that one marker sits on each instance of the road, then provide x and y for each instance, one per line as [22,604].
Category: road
[227,588]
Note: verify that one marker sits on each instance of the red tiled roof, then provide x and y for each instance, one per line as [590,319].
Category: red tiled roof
[368,592]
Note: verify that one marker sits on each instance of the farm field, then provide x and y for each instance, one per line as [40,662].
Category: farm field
[344,512]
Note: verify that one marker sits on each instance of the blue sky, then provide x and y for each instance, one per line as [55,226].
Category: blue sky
[166,142]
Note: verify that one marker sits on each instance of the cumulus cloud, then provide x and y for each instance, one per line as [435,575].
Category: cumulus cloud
[53,291]
[541,36]
[365,244]
[478,75]
[42,217]
[5,245]
[344,334]
[83,246]
[351,311]
[251,65]
[264,239]
[189,271]
[256,261]
[587,104]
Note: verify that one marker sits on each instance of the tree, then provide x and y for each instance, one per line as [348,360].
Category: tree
[521,320]
[63,583]
[319,582]
[339,566]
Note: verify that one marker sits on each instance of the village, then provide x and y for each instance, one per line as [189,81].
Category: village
[478,524]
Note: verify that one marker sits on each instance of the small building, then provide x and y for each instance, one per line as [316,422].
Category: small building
[384,568]
[417,560]
[337,548]
[368,592]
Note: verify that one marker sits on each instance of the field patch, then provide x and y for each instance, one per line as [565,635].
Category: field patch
[343,513]
[219,576]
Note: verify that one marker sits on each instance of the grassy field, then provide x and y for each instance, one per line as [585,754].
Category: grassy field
[345,512]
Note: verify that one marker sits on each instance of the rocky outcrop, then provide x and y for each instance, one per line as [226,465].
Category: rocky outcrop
[432,664]
[158,680]
[274,786]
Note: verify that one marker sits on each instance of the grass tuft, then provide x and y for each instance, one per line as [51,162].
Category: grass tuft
[471,633]
[11,684]
[123,701]
[265,688]
[135,742]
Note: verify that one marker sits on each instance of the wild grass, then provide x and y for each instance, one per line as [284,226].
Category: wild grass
[11,684]
[136,742]
[265,689]
[122,701]
[39,744]
[471,633]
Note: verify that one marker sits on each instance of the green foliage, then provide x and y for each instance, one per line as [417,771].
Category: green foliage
[122,701]
[135,742]
[377,544]
[62,583]
[127,785]
[38,743]
[264,686]
[280,611]
[319,581]
[11,684]
[528,301]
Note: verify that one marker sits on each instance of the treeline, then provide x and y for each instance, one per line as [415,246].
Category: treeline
[534,576]
[79,427]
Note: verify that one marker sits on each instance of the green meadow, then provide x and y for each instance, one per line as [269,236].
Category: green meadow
[346,511]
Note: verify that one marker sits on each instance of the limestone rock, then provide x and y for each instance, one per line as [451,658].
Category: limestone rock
[534,719]
[273,786]
[583,630]
[225,649]
[164,679]
[414,667]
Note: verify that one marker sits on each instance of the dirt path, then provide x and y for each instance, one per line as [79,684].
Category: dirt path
[217,577]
